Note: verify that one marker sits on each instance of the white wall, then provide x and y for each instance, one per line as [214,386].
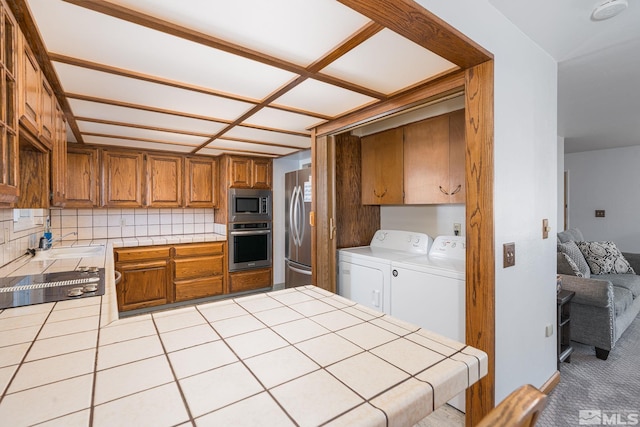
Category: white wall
[281,166]
[561,170]
[606,179]
[434,220]
[525,190]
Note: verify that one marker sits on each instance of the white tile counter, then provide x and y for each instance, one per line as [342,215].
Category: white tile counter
[299,356]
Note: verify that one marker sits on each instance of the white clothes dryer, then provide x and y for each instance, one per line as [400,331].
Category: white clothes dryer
[364,272]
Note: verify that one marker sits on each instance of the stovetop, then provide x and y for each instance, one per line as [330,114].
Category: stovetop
[18,291]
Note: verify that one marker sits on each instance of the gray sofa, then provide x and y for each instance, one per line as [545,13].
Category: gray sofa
[604,305]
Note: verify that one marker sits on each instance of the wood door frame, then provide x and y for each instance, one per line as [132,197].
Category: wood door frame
[476,78]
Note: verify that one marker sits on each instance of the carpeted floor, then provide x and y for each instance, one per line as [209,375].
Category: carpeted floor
[610,386]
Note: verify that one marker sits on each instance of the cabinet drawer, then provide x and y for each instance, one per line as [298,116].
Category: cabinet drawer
[187,268]
[248,280]
[199,249]
[198,288]
[138,254]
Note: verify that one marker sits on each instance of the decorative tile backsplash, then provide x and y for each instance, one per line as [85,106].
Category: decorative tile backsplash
[122,223]
[92,224]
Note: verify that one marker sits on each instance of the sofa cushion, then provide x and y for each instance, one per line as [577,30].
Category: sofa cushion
[571,250]
[572,234]
[627,281]
[622,299]
[604,258]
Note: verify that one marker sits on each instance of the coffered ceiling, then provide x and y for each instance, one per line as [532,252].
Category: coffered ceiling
[212,77]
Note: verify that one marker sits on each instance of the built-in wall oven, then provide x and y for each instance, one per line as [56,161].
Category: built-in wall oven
[249,245]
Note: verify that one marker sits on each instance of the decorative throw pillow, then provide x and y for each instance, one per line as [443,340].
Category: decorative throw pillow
[605,258]
[571,250]
[574,267]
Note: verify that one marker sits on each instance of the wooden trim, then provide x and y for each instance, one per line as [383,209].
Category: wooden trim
[23,17]
[175,30]
[135,138]
[253,141]
[416,23]
[480,265]
[551,383]
[419,95]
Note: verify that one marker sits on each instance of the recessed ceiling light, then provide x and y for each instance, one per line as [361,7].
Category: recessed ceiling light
[608,9]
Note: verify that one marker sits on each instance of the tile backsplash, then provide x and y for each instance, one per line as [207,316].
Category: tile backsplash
[123,223]
[14,243]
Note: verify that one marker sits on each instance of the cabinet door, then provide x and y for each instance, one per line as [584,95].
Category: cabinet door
[382,168]
[239,172]
[82,178]
[426,161]
[122,179]
[457,160]
[249,280]
[8,111]
[164,181]
[30,86]
[201,182]
[261,173]
[59,161]
[143,285]
[47,117]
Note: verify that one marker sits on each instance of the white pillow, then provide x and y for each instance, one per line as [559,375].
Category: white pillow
[605,258]
[571,251]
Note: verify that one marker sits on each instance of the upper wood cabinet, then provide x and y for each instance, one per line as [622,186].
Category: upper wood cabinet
[47,112]
[82,178]
[247,172]
[164,181]
[59,161]
[201,182]
[122,175]
[9,154]
[382,160]
[434,160]
[30,84]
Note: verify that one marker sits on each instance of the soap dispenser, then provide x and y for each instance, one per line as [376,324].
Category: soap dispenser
[48,237]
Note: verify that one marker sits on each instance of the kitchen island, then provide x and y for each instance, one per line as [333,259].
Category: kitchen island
[300,356]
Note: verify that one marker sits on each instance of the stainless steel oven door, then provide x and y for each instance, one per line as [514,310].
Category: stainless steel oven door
[249,249]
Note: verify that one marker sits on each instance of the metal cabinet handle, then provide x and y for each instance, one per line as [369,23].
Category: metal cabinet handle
[443,190]
[457,190]
[332,229]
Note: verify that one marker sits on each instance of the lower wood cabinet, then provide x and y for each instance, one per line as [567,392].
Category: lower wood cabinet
[158,275]
[145,277]
[249,279]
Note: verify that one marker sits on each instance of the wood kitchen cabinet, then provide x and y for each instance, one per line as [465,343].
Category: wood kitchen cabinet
[201,186]
[198,270]
[9,154]
[247,172]
[433,167]
[164,181]
[82,178]
[30,86]
[47,112]
[145,277]
[59,161]
[382,164]
[240,281]
[122,175]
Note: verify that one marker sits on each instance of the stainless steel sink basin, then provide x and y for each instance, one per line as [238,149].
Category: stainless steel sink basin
[70,252]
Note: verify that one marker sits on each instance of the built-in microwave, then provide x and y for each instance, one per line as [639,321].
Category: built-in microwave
[247,204]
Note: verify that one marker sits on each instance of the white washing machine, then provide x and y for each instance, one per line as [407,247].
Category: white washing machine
[429,291]
[364,272]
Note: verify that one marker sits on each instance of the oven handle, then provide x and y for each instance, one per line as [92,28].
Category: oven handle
[248,232]
[297,270]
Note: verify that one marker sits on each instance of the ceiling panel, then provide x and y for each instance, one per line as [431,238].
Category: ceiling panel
[115,113]
[403,64]
[138,48]
[272,117]
[142,145]
[293,30]
[313,95]
[252,148]
[241,132]
[100,128]
[109,86]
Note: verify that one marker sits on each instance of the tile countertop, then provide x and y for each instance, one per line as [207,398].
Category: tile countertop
[300,356]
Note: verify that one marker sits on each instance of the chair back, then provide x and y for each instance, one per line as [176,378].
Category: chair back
[519,409]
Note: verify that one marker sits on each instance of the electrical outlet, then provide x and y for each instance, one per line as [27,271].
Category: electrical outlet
[599,213]
[508,255]
[456,228]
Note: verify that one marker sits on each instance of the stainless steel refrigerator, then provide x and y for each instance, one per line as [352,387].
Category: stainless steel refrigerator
[297,229]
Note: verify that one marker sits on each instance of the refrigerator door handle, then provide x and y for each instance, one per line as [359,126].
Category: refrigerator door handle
[292,209]
[297,270]
[301,225]
[296,216]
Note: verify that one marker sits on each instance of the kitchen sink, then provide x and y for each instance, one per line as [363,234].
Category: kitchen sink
[70,252]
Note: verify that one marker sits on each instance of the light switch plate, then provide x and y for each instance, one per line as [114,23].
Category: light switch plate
[508,255]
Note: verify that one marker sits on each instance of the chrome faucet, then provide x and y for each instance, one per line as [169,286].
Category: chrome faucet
[46,244]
